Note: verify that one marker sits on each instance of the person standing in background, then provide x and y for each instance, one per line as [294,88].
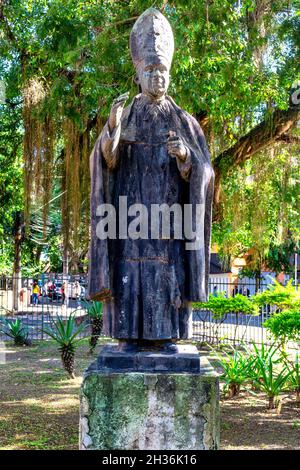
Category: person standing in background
[35,293]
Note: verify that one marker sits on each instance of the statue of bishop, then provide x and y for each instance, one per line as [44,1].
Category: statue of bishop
[151,153]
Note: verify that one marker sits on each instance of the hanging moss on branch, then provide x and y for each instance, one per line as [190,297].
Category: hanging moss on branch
[38,144]
[76,182]
[43,134]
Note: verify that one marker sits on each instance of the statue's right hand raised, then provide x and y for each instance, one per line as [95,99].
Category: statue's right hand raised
[116,111]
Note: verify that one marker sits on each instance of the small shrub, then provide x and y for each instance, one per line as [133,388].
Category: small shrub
[236,370]
[65,333]
[16,330]
[294,379]
[284,297]
[267,373]
[285,325]
[95,314]
[221,306]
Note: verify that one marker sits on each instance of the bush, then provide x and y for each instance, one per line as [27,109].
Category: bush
[267,373]
[16,330]
[236,370]
[266,368]
[294,379]
[65,333]
[284,297]
[285,325]
[221,306]
[95,313]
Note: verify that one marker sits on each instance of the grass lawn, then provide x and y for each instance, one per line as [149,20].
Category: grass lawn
[39,406]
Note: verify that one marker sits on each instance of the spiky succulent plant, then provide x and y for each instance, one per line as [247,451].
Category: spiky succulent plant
[65,333]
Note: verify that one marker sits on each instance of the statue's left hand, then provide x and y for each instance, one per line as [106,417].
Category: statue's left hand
[176,147]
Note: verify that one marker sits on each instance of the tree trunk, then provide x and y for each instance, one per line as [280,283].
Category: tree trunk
[234,389]
[66,276]
[257,281]
[272,403]
[17,281]
[217,193]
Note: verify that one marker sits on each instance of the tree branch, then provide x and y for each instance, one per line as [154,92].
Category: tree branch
[100,29]
[289,139]
[260,137]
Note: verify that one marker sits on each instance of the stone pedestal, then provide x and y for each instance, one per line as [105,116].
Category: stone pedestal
[150,400]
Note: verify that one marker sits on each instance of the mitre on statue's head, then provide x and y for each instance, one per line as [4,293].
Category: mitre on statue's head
[151,40]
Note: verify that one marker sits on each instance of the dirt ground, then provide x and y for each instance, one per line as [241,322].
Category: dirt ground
[39,406]
[247,424]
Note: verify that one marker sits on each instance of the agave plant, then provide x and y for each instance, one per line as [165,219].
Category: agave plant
[16,330]
[95,313]
[265,352]
[268,374]
[294,379]
[65,333]
[236,370]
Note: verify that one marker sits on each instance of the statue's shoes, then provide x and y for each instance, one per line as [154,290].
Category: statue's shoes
[133,347]
[127,347]
[169,347]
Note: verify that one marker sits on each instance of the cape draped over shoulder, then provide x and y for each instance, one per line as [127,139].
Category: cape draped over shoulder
[200,191]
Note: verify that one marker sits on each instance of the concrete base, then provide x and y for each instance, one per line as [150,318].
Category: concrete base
[158,410]
[187,359]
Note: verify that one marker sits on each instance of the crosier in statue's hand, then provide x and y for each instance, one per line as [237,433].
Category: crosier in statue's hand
[117,111]
[176,147]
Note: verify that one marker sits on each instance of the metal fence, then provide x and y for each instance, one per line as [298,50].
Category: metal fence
[61,294]
[235,328]
[58,295]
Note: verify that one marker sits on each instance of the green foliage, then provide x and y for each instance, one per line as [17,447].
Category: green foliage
[279,295]
[16,330]
[94,309]
[285,325]
[65,332]
[236,369]
[234,63]
[95,313]
[264,367]
[268,373]
[294,378]
[11,181]
[260,208]
[221,305]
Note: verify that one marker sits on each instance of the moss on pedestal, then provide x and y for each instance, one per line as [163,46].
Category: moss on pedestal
[149,411]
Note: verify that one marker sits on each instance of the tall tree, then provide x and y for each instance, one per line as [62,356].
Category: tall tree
[234,66]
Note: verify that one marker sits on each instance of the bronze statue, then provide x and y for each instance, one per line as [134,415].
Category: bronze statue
[153,153]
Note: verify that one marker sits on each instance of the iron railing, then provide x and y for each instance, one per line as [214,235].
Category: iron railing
[62,294]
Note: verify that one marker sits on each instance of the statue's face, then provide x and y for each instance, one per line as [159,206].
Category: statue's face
[154,79]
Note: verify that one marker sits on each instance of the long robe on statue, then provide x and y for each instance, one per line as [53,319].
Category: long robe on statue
[147,284]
